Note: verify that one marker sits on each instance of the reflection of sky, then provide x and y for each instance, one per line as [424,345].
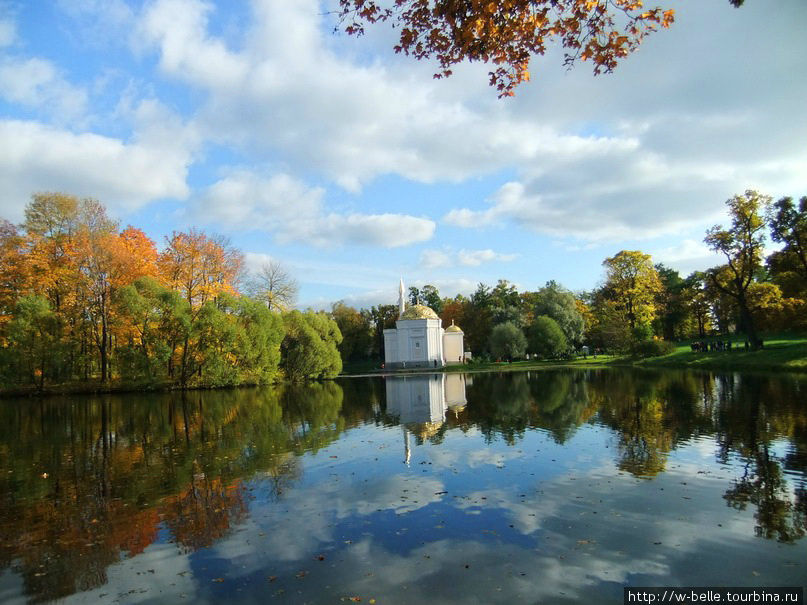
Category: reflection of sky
[468,521]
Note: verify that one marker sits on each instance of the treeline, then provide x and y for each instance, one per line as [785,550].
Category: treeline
[83,301]
[641,306]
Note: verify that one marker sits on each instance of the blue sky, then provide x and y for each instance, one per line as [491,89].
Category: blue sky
[352,167]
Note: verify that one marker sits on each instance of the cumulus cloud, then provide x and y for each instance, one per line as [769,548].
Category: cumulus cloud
[124,176]
[286,89]
[37,83]
[292,211]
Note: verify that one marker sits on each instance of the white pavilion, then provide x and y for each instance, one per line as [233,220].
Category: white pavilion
[419,340]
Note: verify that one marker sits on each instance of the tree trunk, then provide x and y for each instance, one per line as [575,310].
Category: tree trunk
[748,322]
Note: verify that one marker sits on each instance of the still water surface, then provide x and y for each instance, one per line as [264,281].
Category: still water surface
[551,487]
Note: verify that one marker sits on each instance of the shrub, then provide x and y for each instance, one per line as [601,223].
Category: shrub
[653,348]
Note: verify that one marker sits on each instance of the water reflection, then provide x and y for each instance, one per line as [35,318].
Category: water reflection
[87,482]
[420,403]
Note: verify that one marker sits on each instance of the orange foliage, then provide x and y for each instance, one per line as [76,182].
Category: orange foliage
[200,267]
[508,33]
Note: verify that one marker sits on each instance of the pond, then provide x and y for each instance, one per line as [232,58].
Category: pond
[526,487]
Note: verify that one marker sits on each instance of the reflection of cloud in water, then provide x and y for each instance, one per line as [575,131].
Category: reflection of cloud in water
[12,588]
[629,526]
[445,458]
[308,515]
[158,571]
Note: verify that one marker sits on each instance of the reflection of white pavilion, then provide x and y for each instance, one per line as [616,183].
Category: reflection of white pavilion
[421,402]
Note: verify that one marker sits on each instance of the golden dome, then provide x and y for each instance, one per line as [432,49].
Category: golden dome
[419,312]
[453,328]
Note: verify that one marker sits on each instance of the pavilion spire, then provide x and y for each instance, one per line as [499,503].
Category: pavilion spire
[401,300]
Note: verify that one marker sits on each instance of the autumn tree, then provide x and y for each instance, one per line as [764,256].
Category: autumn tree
[200,268]
[509,33]
[741,244]
[275,286]
[12,269]
[50,225]
[632,285]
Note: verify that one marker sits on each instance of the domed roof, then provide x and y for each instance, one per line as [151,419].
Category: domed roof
[453,328]
[419,312]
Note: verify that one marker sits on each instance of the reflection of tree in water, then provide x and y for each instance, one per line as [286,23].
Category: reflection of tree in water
[204,511]
[650,413]
[311,414]
[85,482]
[507,404]
[753,414]
[561,402]
[500,404]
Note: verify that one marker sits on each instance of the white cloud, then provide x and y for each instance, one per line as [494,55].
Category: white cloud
[286,90]
[124,176]
[688,256]
[37,83]
[178,28]
[292,211]
[436,259]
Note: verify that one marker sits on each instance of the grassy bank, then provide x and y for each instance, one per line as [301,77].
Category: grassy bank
[788,353]
[781,353]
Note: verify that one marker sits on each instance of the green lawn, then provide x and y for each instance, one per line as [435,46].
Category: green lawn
[781,352]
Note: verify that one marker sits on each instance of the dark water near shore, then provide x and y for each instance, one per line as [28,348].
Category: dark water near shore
[553,486]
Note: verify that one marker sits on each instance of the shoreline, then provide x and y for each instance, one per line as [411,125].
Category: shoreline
[779,355]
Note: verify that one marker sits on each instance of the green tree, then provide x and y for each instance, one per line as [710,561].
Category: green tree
[430,297]
[309,349]
[696,299]
[380,318]
[153,321]
[356,330]
[33,346]
[546,337]
[507,341]
[478,319]
[257,344]
[558,303]
[673,311]
[741,244]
